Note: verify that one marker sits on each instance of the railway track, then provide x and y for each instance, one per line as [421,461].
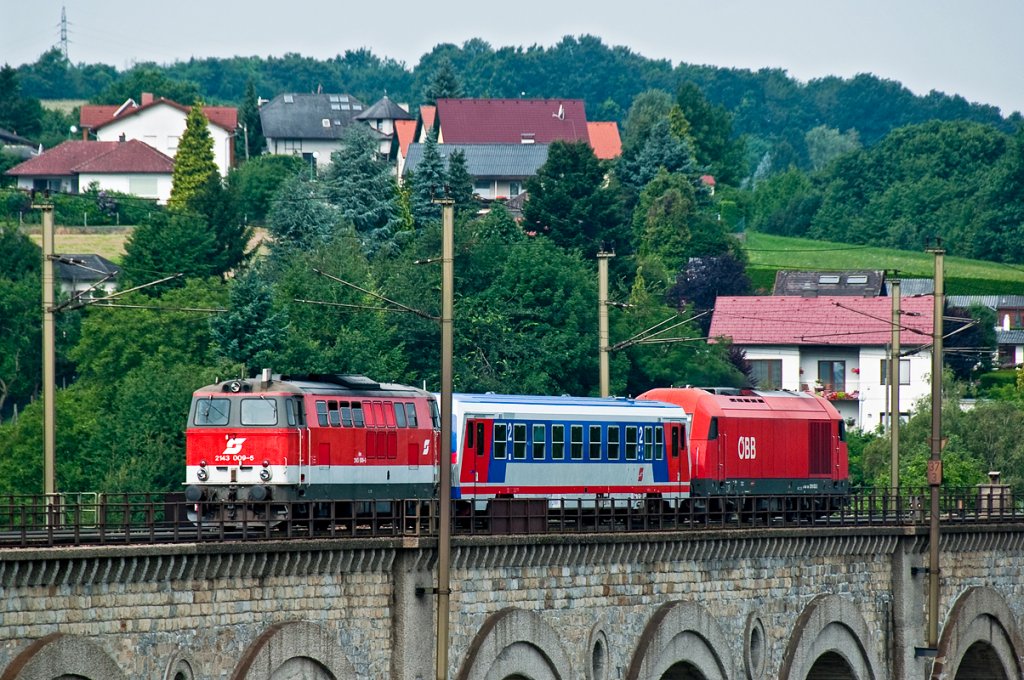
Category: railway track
[138,519]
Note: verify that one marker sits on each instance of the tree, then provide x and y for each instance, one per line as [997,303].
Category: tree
[428,182]
[20,359]
[193,164]
[825,143]
[250,333]
[169,243]
[251,186]
[299,216]
[661,149]
[648,108]
[251,142]
[460,182]
[570,202]
[444,83]
[359,182]
[703,279]
[710,128]
[970,342]
[661,225]
[18,113]
[151,78]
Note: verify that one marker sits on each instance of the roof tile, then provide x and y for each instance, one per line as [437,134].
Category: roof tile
[792,320]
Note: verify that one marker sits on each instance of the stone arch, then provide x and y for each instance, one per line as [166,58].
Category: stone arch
[979,638]
[61,656]
[296,649]
[515,643]
[830,637]
[681,635]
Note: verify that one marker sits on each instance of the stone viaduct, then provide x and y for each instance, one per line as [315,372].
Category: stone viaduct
[835,604]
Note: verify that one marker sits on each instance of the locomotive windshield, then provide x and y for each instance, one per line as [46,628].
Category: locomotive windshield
[259,411]
[212,411]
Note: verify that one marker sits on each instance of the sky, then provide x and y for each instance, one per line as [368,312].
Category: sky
[968,48]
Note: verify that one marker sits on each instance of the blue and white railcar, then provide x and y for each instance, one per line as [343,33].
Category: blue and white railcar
[572,449]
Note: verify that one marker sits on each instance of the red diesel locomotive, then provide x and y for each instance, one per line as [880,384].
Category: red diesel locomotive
[317,438]
[752,443]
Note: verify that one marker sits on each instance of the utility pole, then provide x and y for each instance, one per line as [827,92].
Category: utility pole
[444,542]
[602,317]
[894,393]
[935,462]
[49,372]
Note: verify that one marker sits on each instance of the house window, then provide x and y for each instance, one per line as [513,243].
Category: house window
[904,372]
[481,185]
[832,375]
[143,185]
[514,189]
[767,373]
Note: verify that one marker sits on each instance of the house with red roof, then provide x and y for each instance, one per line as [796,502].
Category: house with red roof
[837,346]
[605,139]
[510,121]
[160,123]
[130,167]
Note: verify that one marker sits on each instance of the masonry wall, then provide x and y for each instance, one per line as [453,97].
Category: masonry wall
[592,602]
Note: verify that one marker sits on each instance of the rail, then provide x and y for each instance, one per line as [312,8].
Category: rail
[126,519]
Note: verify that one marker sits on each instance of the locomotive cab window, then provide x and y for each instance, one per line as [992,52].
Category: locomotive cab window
[410,415]
[259,411]
[212,411]
[842,430]
[713,429]
[321,413]
[399,414]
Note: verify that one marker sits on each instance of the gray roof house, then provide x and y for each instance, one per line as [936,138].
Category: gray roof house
[308,125]
[859,283]
[498,170]
[87,275]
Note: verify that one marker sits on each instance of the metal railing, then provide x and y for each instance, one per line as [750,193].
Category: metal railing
[122,518]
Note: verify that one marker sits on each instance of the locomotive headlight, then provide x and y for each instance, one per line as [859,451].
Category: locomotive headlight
[202,475]
[265,475]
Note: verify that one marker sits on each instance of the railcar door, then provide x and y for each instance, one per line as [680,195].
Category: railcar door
[476,452]
[678,459]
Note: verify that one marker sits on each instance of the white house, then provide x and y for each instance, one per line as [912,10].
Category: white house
[837,346]
[310,125]
[130,167]
[160,123]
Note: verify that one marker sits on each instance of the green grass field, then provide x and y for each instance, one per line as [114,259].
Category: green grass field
[963,276]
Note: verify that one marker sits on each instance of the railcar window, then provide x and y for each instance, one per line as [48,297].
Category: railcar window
[613,442]
[410,415]
[346,413]
[470,429]
[595,442]
[558,442]
[321,413]
[389,414]
[576,442]
[261,411]
[631,442]
[213,411]
[357,414]
[519,441]
[648,442]
[333,415]
[659,443]
[300,411]
[500,441]
[539,441]
[713,429]
[399,414]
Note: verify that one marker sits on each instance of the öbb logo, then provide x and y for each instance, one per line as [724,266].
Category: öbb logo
[233,446]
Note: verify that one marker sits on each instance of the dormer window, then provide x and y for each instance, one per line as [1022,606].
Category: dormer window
[326,122]
[828,278]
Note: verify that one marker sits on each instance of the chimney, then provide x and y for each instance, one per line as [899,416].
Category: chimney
[147,98]
[121,138]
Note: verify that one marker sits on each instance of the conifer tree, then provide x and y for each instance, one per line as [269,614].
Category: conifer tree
[444,83]
[193,164]
[428,182]
[249,140]
[460,182]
